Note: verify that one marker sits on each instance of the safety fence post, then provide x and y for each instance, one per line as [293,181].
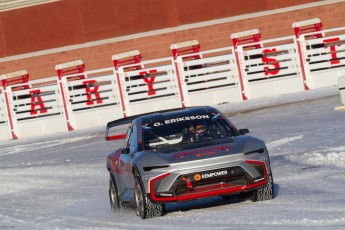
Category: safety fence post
[183,48]
[252,38]
[20,79]
[74,67]
[132,58]
[313,28]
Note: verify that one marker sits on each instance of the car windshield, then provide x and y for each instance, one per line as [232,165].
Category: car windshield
[186,130]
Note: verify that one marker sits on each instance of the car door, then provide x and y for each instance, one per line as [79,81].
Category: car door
[125,162]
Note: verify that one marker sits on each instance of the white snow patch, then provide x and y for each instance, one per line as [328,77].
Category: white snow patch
[283,141]
[332,157]
[41,145]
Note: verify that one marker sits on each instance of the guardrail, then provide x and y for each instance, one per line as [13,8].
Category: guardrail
[324,58]
[270,69]
[37,109]
[252,68]
[210,79]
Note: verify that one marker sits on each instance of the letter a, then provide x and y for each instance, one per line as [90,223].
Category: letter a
[36,100]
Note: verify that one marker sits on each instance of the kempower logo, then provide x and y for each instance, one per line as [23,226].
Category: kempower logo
[214,174]
[197,177]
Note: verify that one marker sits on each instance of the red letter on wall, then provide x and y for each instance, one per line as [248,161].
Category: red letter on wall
[36,100]
[92,91]
[333,50]
[149,81]
[270,61]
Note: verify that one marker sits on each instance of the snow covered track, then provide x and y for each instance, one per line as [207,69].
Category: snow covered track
[60,181]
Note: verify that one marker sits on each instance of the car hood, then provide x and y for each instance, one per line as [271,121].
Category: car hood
[198,151]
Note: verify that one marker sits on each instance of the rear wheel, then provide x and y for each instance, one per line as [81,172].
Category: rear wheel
[144,207]
[264,193]
[113,196]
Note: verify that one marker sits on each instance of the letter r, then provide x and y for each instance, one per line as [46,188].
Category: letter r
[92,91]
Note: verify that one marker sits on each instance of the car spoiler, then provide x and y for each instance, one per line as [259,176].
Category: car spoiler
[127,120]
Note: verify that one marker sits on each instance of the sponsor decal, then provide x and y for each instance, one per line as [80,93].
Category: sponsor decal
[258,180]
[204,154]
[214,174]
[203,151]
[181,119]
[165,194]
[188,182]
[197,177]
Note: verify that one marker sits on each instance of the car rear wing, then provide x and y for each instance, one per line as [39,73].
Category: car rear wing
[110,132]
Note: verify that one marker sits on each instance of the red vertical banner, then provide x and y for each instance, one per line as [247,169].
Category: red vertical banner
[36,101]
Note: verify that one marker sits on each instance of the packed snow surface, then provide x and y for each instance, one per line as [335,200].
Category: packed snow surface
[60,181]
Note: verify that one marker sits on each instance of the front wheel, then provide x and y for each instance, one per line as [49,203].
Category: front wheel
[264,193]
[144,207]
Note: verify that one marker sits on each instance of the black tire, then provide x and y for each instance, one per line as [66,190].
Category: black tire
[144,207]
[114,196]
[264,193]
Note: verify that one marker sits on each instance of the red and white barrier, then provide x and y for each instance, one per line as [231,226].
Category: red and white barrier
[270,69]
[5,129]
[251,37]
[151,88]
[313,28]
[324,58]
[75,68]
[133,60]
[210,79]
[184,48]
[92,100]
[35,108]
[251,68]
[20,81]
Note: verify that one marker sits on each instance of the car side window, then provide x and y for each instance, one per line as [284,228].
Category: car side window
[128,136]
[132,140]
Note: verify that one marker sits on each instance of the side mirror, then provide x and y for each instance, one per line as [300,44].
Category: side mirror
[125,151]
[244,131]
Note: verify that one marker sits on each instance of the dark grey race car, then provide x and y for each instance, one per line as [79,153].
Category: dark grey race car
[184,155]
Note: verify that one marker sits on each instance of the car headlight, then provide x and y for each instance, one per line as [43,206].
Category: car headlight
[262,150]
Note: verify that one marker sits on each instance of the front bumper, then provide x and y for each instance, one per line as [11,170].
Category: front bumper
[209,183]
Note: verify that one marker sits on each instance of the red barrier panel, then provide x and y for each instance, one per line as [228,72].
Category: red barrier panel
[242,38]
[20,79]
[131,58]
[184,48]
[74,67]
[306,27]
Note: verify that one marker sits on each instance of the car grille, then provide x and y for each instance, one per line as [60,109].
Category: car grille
[234,176]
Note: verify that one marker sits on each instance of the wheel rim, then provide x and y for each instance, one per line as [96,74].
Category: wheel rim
[139,201]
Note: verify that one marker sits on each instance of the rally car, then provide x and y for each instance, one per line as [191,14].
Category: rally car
[182,155]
